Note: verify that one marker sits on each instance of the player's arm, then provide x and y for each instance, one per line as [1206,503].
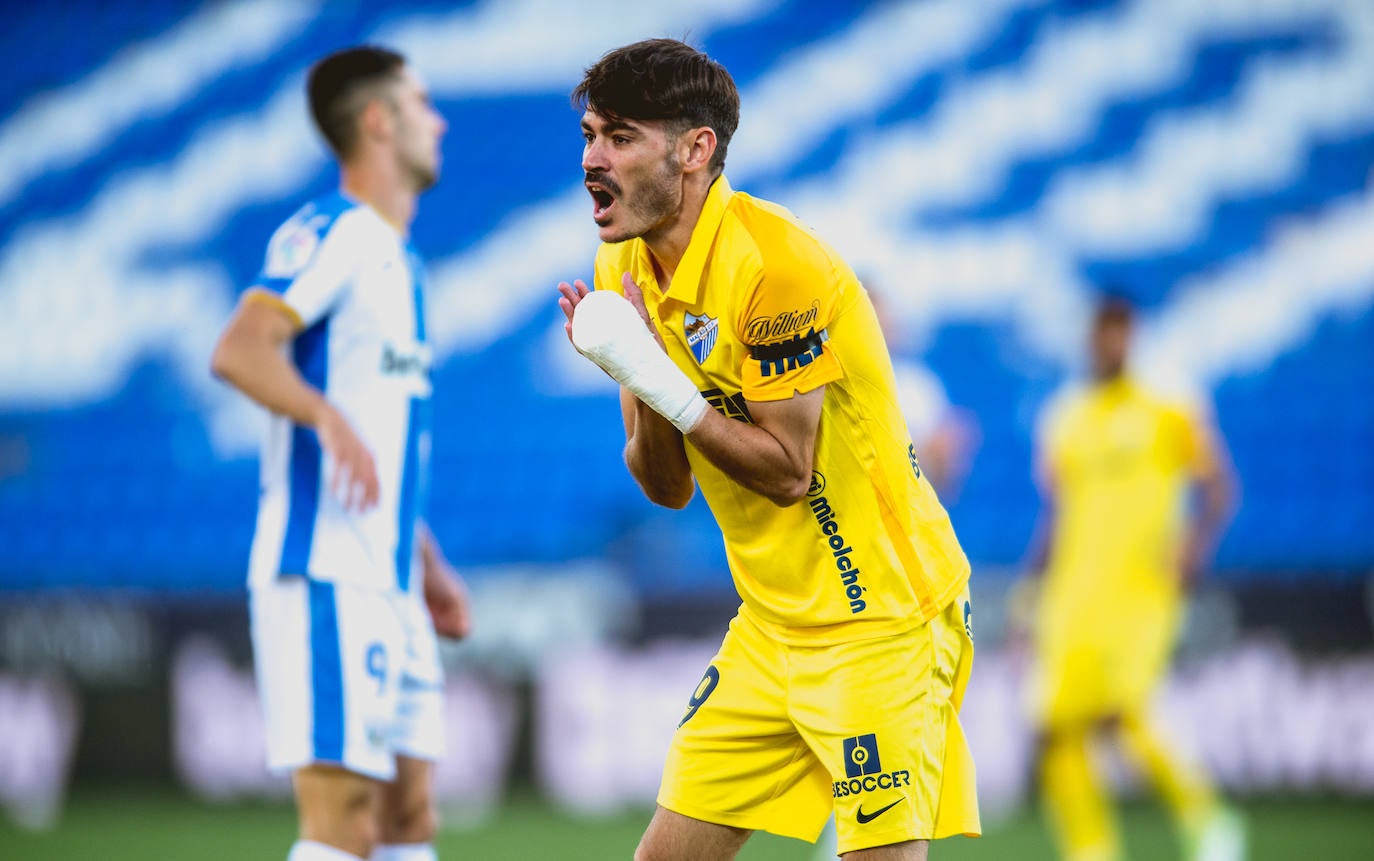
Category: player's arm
[772,457]
[1214,502]
[1038,552]
[654,454]
[250,355]
[653,446]
[446,596]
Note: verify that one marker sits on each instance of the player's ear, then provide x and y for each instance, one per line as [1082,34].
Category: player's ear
[695,148]
[376,119]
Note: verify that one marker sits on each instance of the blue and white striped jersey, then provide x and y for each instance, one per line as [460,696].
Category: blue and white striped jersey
[358,289]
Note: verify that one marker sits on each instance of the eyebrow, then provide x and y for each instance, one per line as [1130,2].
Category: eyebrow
[612,126]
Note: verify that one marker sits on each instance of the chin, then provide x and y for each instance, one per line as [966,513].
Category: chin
[422,176]
[611,234]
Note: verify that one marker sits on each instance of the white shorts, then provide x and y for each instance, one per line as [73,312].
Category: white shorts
[347,676]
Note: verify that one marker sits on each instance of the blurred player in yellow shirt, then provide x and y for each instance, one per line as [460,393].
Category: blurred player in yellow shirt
[1119,466]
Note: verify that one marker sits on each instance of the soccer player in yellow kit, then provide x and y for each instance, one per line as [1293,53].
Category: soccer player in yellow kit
[1117,465]
[752,365]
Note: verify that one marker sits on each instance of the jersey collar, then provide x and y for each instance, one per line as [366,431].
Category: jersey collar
[400,230]
[1115,389]
[686,286]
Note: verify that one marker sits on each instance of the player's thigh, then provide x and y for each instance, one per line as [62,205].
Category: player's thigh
[882,716]
[325,656]
[1077,657]
[1069,684]
[736,759]
[674,837]
[1144,657]
[1087,673]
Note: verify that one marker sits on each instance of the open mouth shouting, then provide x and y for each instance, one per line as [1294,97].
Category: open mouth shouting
[604,193]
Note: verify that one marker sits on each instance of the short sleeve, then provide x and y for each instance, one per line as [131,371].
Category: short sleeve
[311,263]
[1191,425]
[785,328]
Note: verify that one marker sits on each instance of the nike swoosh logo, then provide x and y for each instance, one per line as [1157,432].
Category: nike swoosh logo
[865,818]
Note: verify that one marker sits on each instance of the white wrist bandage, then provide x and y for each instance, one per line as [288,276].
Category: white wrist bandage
[608,330]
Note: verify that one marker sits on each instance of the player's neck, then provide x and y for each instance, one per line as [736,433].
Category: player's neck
[388,196]
[668,242]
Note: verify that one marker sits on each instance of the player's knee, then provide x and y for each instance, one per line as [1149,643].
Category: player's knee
[354,831]
[909,850]
[1066,732]
[359,821]
[366,833]
[1050,737]
[699,840]
[649,848]
[412,821]
[338,813]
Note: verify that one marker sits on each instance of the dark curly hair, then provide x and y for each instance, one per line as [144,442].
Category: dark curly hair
[663,79]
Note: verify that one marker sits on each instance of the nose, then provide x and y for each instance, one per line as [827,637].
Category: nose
[440,124]
[593,156]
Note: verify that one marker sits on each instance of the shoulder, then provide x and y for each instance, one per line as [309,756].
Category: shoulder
[794,278]
[302,237]
[1175,396]
[780,244]
[1060,409]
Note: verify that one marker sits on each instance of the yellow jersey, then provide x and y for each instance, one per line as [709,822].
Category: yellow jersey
[759,309]
[1120,460]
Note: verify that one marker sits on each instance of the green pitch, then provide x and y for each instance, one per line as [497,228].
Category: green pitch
[152,826]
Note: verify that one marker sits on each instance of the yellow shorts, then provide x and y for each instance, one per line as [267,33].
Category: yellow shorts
[1090,671]
[776,736]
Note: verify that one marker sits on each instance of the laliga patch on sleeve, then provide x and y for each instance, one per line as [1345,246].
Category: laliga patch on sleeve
[290,250]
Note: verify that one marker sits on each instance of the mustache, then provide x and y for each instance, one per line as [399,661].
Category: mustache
[596,178]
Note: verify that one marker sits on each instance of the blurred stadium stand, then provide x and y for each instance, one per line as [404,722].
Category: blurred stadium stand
[993,163]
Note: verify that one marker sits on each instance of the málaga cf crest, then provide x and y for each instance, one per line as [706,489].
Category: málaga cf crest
[701,334]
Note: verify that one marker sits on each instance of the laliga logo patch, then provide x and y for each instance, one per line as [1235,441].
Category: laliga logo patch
[290,253]
[701,334]
[293,246]
[861,755]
